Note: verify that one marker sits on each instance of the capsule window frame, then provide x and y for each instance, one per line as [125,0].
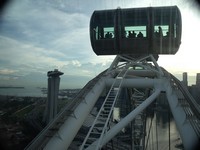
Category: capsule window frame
[110,31]
[165,29]
[100,33]
[137,30]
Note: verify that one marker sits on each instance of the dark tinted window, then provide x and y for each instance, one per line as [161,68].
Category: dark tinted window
[103,25]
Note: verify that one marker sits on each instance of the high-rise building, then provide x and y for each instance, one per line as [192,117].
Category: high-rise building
[52,97]
[198,79]
[185,80]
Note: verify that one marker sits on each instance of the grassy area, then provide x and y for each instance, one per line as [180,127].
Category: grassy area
[20,114]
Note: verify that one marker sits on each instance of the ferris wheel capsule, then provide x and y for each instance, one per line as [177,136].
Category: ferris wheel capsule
[150,30]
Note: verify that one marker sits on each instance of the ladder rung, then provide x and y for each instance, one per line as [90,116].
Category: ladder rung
[100,124]
[102,118]
[86,145]
[107,104]
[98,128]
[106,112]
[107,108]
[92,138]
[110,101]
[112,95]
[112,92]
[104,115]
[95,133]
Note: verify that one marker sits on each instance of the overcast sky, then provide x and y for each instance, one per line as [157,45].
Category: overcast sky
[37,36]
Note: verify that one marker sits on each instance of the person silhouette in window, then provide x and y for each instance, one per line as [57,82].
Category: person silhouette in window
[134,34]
[131,34]
[107,35]
[140,35]
[110,35]
[167,34]
[160,32]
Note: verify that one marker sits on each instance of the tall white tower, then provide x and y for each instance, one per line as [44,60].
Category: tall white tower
[52,97]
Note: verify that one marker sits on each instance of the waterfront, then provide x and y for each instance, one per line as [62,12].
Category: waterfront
[159,135]
[23,92]
[36,92]
[164,134]
[21,113]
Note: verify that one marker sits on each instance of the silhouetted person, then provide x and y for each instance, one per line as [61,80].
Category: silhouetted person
[107,35]
[134,34]
[167,34]
[131,34]
[110,35]
[156,34]
[140,35]
[160,32]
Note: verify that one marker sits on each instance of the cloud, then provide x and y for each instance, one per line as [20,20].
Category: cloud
[37,36]
[29,60]
[76,63]
[42,25]
[17,53]
[7,71]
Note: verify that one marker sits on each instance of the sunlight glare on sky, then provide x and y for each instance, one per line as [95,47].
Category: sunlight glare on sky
[187,58]
[37,36]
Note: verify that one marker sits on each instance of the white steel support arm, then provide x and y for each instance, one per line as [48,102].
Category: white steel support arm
[156,65]
[140,73]
[125,121]
[138,82]
[186,131]
[114,64]
[66,133]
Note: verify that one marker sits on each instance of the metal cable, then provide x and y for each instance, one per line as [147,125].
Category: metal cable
[156,130]
[149,133]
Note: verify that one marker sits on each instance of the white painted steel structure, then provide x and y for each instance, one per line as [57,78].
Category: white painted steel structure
[70,127]
[141,72]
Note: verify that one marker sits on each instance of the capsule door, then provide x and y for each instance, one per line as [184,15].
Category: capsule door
[134,31]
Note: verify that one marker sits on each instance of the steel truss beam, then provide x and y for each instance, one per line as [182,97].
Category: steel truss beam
[162,83]
[63,138]
[125,121]
[154,79]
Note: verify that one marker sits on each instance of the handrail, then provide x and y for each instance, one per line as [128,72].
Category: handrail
[123,73]
[191,101]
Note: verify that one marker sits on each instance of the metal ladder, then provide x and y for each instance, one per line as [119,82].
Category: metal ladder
[102,121]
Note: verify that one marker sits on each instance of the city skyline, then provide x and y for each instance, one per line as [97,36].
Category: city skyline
[37,36]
